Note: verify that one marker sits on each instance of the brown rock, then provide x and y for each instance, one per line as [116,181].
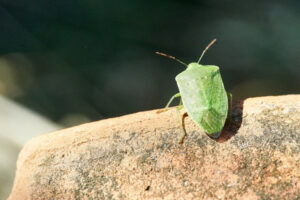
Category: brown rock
[138,157]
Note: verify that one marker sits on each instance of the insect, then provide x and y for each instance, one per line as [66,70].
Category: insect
[202,95]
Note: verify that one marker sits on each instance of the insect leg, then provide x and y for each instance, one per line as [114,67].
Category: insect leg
[180,104]
[183,133]
[230,105]
[172,98]
[170,101]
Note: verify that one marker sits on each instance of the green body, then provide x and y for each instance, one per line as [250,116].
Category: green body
[204,96]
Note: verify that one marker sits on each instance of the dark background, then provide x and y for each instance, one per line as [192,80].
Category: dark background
[77,61]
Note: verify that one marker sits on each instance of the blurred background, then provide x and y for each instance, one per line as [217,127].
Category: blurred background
[64,63]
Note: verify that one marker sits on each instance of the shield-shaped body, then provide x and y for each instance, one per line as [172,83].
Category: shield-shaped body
[204,96]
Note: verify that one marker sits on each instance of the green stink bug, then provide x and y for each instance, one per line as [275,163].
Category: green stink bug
[202,95]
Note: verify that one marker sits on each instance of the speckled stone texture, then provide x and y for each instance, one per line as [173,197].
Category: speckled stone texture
[137,156]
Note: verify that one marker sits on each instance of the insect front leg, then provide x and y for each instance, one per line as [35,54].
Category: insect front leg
[172,98]
[170,101]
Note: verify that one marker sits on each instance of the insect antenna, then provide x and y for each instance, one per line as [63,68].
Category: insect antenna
[172,57]
[211,43]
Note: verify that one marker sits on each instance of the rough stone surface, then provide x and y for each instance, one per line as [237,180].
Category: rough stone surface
[138,157]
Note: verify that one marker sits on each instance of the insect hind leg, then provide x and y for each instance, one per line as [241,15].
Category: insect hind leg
[180,119]
[229,105]
[230,109]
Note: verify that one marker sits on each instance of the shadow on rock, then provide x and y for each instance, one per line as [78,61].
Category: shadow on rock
[232,125]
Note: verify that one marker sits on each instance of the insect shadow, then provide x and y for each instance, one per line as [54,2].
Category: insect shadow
[231,126]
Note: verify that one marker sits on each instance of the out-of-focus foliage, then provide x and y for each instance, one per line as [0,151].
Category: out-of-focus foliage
[75,61]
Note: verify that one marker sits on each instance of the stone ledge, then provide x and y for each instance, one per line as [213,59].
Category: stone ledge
[137,156]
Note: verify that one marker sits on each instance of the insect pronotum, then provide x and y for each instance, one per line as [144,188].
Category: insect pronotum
[202,95]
